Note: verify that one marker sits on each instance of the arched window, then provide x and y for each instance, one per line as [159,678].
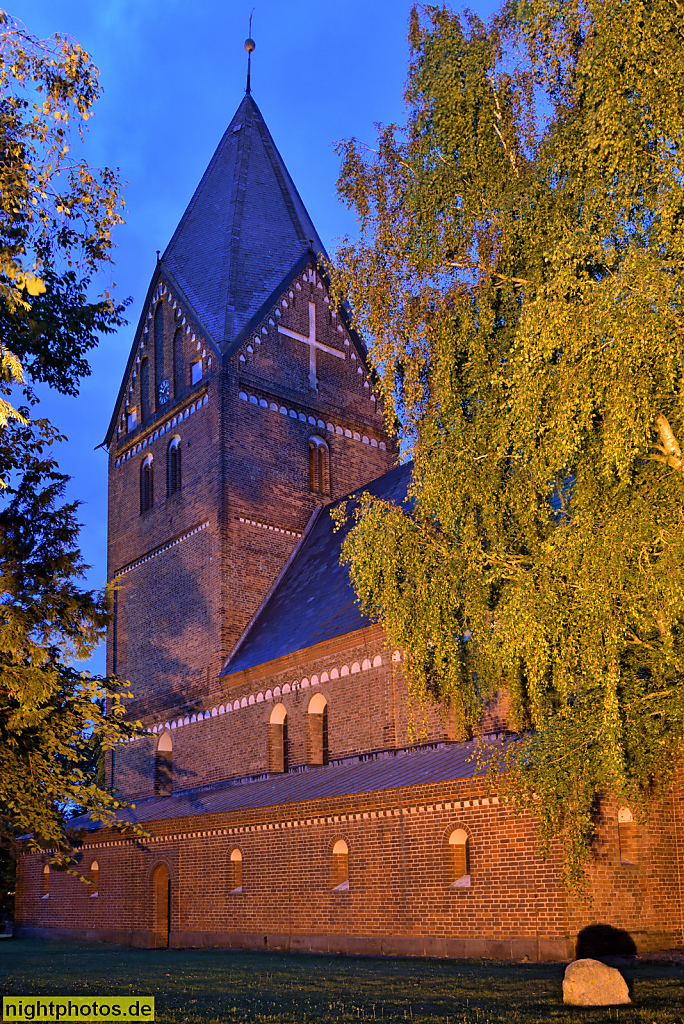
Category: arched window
[235,872]
[160,380]
[45,882]
[163,766]
[317,730]
[459,859]
[339,867]
[173,466]
[94,875]
[629,839]
[318,465]
[145,389]
[146,486]
[178,365]
[277,740]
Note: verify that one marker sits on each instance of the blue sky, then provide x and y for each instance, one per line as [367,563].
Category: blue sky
[173,74]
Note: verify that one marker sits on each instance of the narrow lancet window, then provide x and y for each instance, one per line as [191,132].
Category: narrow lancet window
[160,379]
[628,836]
[94,878]
[145,389]
[277,740]
[178,367]
[235,872]
[459,859]
[318,466]
[146,486]
[317,730]
[173,467]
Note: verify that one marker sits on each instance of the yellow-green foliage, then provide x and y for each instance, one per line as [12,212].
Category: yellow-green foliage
[56,216]
[54,208]
[55,722]
[519,275]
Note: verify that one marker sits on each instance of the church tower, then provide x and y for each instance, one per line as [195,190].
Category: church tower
[247,401]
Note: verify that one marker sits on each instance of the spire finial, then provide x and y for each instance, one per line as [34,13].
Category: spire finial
[250,46]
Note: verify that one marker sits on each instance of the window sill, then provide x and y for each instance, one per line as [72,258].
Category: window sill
[342,887]
[461,883]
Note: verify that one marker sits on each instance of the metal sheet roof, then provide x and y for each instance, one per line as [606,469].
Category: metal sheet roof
[388,771]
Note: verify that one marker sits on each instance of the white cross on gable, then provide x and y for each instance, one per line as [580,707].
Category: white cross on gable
[310,340]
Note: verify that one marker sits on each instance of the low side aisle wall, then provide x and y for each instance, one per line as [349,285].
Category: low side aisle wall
[635,879]
[400,896]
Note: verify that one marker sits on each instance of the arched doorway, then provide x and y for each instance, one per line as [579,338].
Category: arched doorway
[161,906]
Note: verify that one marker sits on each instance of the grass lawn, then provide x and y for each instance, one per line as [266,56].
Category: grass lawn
[224,985]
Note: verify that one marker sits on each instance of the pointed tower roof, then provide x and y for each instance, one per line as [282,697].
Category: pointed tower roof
[243,232]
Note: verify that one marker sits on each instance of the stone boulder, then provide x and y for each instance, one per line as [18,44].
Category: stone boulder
[591,983]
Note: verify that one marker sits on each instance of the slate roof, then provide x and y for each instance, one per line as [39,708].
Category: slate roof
[313,600]
[243,231]
[391,771]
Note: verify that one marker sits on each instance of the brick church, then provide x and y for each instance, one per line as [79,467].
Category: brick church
[286,805]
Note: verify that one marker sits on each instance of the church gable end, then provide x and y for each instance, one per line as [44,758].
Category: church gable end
[303,347]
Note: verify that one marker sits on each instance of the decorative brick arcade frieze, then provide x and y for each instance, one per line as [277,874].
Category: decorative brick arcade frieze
[267,694]
[161,549]
[303,417]
[153,435]
[268,526]
[474,803]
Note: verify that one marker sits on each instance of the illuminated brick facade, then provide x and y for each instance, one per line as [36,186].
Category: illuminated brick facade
[292,797]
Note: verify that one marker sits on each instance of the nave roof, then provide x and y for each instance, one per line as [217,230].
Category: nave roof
[313,600]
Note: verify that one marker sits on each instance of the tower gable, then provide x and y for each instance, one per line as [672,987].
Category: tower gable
[300,347]
[171,355]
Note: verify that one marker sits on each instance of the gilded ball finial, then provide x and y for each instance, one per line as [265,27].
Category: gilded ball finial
[250,45]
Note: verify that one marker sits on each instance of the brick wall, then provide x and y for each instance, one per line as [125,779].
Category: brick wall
[192,570]
[367,710]
[400,899]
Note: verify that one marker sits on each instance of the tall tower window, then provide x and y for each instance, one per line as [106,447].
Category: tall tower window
[145,389]
[45,881]
[146,486]
[173,466]
[178,367]
[318,465]
[160,378]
